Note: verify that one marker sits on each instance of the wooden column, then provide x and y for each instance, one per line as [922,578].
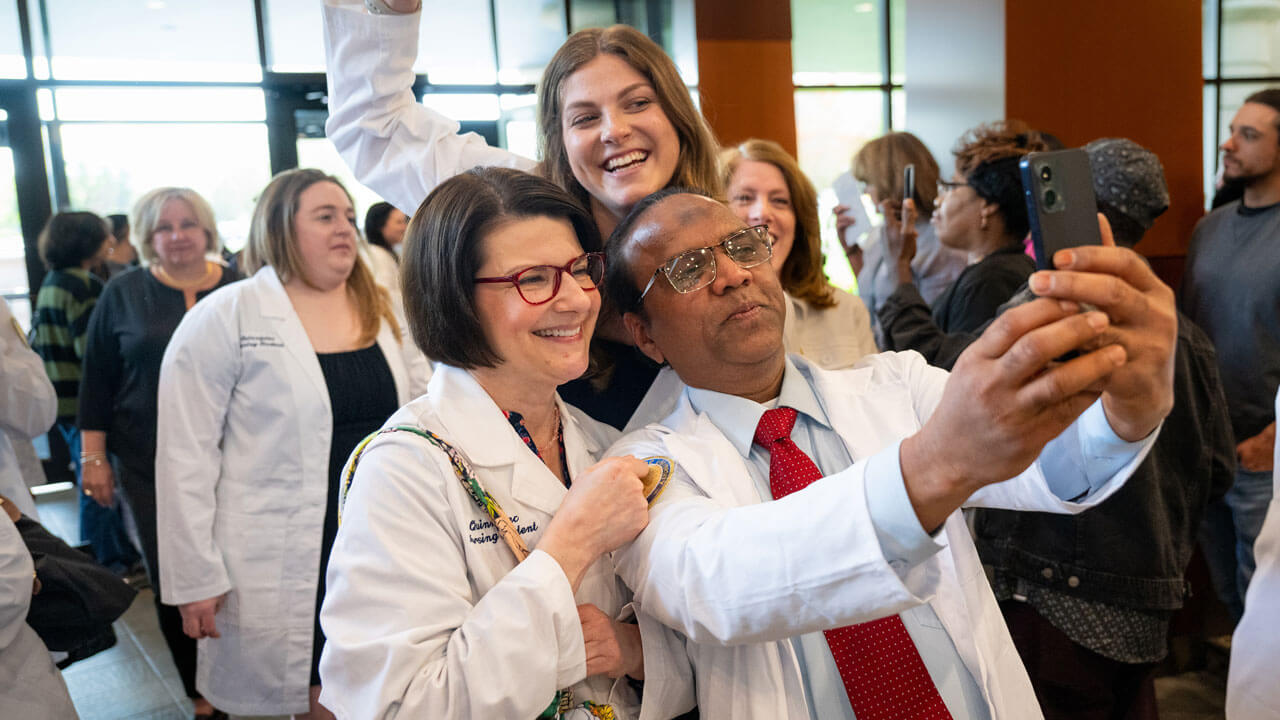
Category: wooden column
[744,70]
[1099,68]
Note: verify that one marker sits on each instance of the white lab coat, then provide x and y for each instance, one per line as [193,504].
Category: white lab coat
[427,614]
[833,337]
[242,467]
[1252,692]
[738,576]
[394,144]
[28,407]
[31,687]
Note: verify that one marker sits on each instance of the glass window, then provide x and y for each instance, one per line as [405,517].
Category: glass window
[295,36]
[167,104]
[835,42]
[13,257]
[1250,39]
[319,153]
[455,43]
[1209,11]
[1210,145]
[109,165]
[464,107]
[830,127]
[683,46]
[12,63]
[519,124]
[529,33]
[153,40]
[898,43]
[592,14]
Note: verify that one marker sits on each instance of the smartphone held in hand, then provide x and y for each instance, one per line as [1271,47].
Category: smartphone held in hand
[1060,202]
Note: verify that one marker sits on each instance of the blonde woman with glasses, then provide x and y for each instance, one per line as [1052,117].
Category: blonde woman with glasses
[128,332]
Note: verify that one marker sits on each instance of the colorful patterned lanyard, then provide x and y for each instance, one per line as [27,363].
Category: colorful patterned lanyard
[563,700]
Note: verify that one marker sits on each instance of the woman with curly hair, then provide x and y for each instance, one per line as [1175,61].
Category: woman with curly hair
[982,213]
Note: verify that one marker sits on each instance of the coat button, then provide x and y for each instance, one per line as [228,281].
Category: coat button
[1073,581]
[1047,573]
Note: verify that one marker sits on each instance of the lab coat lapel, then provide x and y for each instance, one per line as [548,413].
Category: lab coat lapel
[472,420]
[392,351]
[707,456]
[275,306]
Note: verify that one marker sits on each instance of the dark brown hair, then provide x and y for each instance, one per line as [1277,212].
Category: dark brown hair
[70,238]
[696,165]
[442,254]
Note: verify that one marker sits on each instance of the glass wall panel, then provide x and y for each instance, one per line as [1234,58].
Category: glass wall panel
[1209,43]
[455,43]
[110,165]
[519,124]
[161,104]
[13,263]
[12,64]
[830,127]
[464,107]
[898,42]
[1250,38]
[295,36]
[319,153]
[153,40]
[836,42]
[529,33]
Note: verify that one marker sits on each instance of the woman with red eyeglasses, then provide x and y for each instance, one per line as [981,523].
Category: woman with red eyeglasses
[435,606]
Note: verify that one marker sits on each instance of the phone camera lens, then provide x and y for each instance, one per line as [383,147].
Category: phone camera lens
[1050,198]
[1045,173]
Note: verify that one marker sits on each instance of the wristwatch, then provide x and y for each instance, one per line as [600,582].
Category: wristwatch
[378,7]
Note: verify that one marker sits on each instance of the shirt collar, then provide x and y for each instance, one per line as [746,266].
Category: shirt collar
[737,417]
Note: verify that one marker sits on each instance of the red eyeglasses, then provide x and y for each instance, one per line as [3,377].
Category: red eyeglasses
[541,283]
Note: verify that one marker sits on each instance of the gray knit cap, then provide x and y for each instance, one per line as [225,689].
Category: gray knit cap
[1129,178]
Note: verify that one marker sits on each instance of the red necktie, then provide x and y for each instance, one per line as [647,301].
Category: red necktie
[883,674]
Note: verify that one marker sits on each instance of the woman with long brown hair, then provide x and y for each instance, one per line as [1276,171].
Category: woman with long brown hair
[765,186]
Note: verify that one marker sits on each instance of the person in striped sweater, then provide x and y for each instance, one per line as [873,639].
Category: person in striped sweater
[70,244]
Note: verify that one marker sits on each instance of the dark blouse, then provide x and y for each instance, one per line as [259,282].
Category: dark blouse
[128,333]
[965,307]
[362,395]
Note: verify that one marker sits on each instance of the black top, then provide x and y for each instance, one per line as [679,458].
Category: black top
[128,333]
[362,394]
[965,307]
[624,387]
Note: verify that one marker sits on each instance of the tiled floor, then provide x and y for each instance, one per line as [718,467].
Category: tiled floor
[137,679]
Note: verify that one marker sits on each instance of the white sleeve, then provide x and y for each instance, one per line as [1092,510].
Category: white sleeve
[394,144]
[766,571]
[28,404]
[197,376]
[406,635]
[15,582]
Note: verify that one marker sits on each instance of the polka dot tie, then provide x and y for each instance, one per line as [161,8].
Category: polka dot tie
[883,674]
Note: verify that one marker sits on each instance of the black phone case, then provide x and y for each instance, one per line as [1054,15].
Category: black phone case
[1072,220]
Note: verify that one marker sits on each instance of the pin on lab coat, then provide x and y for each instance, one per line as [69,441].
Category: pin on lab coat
[242,463]
[427,613]
[737,576]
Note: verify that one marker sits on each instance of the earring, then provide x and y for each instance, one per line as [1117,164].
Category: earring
[983,224]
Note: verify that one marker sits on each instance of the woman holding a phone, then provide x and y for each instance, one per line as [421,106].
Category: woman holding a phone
[981,213]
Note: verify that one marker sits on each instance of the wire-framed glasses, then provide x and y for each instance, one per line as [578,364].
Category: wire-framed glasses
[695,269]
[540,283]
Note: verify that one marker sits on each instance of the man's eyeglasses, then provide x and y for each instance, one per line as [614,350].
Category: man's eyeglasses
[541,283]
[946,186]
[695,269]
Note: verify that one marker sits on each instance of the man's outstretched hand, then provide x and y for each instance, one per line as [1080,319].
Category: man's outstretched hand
[1007,396]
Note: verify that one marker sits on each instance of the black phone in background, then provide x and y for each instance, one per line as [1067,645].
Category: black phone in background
[908,182]
[1060,202]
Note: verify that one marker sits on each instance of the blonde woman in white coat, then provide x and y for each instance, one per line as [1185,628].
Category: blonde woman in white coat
[260,388]
[432,611]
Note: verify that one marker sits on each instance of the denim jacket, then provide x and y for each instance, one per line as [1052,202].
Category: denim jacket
[1132,549]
